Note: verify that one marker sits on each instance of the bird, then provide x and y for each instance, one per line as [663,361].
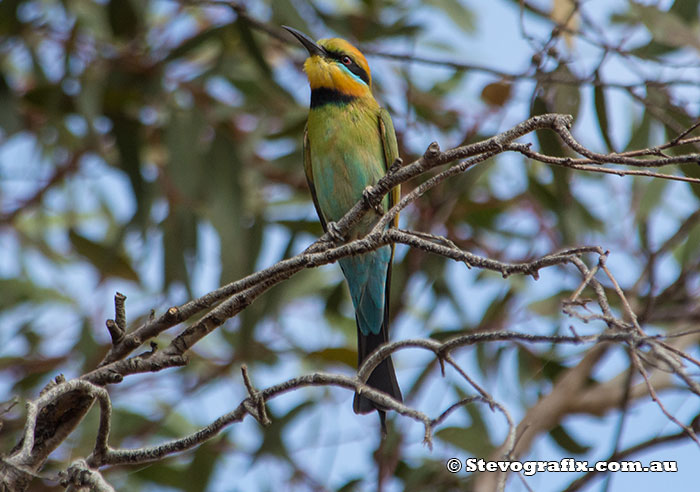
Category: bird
[349,144]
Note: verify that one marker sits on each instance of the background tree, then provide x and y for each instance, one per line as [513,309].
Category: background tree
[154,149]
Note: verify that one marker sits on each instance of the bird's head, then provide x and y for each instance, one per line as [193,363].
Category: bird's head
[335,64]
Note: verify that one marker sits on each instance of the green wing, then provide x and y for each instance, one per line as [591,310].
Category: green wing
[391,152]
[310,177]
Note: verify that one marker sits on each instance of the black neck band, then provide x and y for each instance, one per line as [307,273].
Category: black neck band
[323,95]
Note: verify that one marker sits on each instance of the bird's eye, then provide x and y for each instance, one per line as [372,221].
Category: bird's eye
[346,60]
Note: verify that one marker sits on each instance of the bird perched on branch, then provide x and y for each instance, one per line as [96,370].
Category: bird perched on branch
[349,143]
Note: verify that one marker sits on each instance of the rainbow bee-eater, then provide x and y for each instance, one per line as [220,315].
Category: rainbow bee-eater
[349,143]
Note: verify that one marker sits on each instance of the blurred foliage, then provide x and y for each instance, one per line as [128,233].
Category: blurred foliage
[136,134]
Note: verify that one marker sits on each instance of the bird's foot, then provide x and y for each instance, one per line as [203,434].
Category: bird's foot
[367,196]
[334,233]
[395,166]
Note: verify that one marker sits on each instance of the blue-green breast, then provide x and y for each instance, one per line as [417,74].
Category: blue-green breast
[346,157]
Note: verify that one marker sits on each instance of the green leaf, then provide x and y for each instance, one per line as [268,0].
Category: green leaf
[49,98]
[193,43]
[341,355]
[9,117]
[548,306]
[459,14]
[685,10]
[109,260]
[252,46]
[186,158]
[226,209]
[9,23]
[676,119]
[641,133]
[666,27]
[602,112]
[565,441]
[652,50]
[92,18]
[127,133]
[567,97]
[179,244]
[351,485]
[533,366]
[473,439]
[88,346]
[367,27]
[549,141]
[542,193]
[163,473]
[497,312]
[653,193]
[130,424]
[689,251]
[123,19]
[285,13]
[200,471]
[272,443]
[529,365]
[311,227]
[14,291]
[566,205]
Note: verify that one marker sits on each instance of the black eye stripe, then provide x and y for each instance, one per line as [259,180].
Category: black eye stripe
[353,67]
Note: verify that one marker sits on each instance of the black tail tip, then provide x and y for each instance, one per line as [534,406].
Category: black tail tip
[362,405]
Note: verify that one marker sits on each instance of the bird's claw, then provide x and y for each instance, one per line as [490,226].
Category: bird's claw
[334,233]
[398,162]
[367,197]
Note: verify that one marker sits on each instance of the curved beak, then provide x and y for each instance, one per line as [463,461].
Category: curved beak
[308,43]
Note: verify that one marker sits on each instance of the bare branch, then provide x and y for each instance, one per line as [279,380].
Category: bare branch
[229,300]
[238,295]
[632,450]
[652,393]
[79,475]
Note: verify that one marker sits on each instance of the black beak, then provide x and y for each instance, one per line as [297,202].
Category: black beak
[308,43]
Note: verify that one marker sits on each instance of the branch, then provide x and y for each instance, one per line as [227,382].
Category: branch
[240,294]
[25,455]
[250,406]
[104,455]
[591,165]
[632,450]
[530,73]
[231,299]
[573,393]
[79,475]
